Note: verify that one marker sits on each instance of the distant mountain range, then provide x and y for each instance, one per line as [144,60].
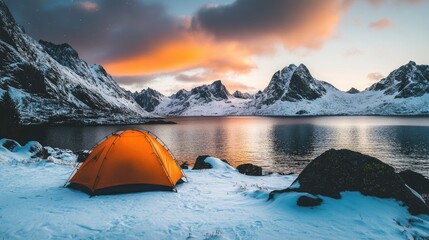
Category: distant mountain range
[294,91]
[51,84]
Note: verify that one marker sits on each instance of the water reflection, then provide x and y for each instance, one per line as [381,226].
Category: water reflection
[276,144]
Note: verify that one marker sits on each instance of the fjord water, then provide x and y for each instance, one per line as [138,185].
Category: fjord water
[278,144]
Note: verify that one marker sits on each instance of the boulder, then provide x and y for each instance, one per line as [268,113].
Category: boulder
[307,201]
[36,150]
[201,164]
[249,169]
[336,171]
[9,144]
[225,161]
[417,182]
[82,155]
[184,165]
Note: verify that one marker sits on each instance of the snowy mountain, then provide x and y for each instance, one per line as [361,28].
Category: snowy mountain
[51,84]
[148,98]
[210,99]
[292,84]
[294,91]
[239,94]
[410,80]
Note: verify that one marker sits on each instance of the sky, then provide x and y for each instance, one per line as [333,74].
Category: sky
[169,45]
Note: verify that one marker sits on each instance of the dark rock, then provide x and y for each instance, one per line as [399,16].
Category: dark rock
[43,153]
[307,201]
[184,165]
[250,169]
[301,112]
[336,171]
[353,91]
[82,155]
[417,182]
[200,164]
[225,161]
[148,99]
[37,150]
[10,144]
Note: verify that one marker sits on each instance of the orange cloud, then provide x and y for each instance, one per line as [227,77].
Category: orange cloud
[381,24]
[228,47]
[88,6]
[191,50]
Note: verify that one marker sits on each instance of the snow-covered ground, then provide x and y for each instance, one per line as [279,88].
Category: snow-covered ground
[218,203]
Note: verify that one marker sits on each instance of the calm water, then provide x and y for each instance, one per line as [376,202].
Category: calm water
[276,144]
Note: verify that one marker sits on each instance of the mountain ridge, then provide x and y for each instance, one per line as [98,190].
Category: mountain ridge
[294,91]
[52,85]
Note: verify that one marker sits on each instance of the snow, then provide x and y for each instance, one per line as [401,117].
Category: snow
[219,164]
[217,203]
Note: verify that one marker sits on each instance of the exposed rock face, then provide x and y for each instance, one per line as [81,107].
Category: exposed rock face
[336,171]
[238,94]
[213,92]
[250,169]
[292,84]
[148,99]
[184,165]
[417,182]
[307,201]
[201,164]
[51,84]
[410,80]
[353,91]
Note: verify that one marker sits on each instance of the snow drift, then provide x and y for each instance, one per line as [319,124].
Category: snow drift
[217,203]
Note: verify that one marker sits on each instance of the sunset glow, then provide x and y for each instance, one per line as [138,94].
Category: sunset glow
[147,43]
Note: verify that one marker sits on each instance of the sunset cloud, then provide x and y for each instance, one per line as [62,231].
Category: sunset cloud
[138,38]
[208,76]
[375,76]
[378,3]
[190,50]
[88,6]
[381,24]
[305,23]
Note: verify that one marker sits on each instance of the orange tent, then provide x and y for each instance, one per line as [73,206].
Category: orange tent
[127,161]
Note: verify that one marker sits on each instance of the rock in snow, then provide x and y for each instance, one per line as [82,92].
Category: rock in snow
[208,162]
[200,163]
[308,201]
[337,171]
[249,169]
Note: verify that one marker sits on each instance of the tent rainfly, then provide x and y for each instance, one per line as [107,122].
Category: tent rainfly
[127,161]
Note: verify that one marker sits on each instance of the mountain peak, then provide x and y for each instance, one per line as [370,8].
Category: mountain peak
[409,80]
[217,82]
[292,84]
[239,94]
[412,63]
[353,91]
[148,98]
[59,49]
